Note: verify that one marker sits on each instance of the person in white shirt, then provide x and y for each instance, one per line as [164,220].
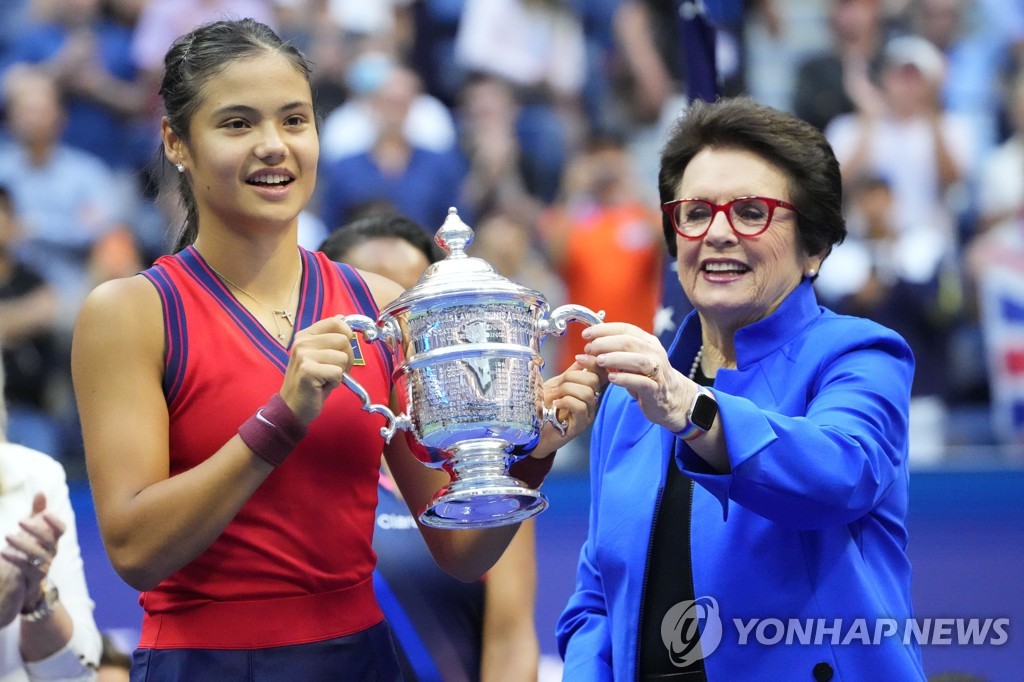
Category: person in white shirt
[1001,186]
[47,630]
[902,132]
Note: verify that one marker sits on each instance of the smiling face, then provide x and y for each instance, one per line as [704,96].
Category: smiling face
[734,281]
[253,147]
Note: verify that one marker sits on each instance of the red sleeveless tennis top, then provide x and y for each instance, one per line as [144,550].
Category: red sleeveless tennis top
[295,564]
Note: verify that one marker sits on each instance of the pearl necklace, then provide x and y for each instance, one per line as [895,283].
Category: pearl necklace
[696,363]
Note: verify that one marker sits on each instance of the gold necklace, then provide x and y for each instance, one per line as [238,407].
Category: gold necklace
[277,312]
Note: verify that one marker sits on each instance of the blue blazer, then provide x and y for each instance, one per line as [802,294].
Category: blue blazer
[809,524]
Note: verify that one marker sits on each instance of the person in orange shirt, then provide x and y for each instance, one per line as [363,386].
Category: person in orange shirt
[604,241]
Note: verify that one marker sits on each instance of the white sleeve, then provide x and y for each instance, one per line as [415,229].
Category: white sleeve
[80,656]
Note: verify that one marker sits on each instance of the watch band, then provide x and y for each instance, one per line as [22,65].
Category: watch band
[44,607]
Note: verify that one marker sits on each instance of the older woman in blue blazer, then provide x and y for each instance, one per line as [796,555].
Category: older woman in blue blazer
[749,486]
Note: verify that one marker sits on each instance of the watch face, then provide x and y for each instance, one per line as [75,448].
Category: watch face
[705,409]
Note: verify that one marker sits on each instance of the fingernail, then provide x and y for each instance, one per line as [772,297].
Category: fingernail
[582,358]
[587,334]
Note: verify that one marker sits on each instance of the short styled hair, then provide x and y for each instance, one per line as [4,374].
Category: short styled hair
[789,143]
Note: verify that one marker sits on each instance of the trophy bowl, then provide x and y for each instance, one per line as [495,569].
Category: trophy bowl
[468,368]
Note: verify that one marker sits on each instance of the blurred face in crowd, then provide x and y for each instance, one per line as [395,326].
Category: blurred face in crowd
[394,98]
[852,20]
[392,257]
[34,113]
[940,21]
[502,242]
[874,202]
[734,281]
[489,105]
[908,90]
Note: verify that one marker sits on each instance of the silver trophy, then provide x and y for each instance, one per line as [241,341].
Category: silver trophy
[467,347]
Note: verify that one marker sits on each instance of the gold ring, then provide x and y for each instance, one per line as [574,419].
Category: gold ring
[653,372]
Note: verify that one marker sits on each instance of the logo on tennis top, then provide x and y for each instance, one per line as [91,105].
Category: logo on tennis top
[357,352]
[691,630]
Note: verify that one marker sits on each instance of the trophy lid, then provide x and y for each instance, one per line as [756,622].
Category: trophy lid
[459,273]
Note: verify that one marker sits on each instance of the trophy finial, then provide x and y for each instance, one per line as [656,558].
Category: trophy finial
[454,235]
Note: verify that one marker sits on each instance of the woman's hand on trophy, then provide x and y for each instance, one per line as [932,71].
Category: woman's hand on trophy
[319,357]
[573,394]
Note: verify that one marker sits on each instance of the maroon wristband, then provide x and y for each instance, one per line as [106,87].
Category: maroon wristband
[273,432]
[531,470]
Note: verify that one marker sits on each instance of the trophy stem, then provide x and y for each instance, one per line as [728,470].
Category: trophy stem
[482,494]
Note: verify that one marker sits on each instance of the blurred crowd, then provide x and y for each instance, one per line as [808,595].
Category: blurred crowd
[540,120]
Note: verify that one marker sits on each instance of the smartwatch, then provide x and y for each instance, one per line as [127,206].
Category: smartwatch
[701,415]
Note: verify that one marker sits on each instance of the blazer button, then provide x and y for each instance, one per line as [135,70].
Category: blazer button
[822,672]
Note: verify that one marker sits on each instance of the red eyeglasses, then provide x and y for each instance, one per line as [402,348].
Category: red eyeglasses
[748,216]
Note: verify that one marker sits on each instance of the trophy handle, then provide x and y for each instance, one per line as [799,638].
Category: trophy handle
[372,331]
[561,316]
[556,324]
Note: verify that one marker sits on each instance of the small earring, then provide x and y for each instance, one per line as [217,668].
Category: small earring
[180,166]
[811,273]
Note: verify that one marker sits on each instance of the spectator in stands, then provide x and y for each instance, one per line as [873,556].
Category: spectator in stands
[161,22]
[824,81]
[499,176]
[537,45]
[604,242]
[511,246]
[908,138]
[66,201]
[972,36]
[88,54]
[386,243]
[901,279]
[28,319]
[47,631]
[352,128]
[64,196]
[1001,177]
[419,183]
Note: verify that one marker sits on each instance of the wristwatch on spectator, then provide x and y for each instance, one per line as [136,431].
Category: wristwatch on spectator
[44,607]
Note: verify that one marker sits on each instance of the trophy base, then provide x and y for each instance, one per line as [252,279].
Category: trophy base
[483,507]
[482,494]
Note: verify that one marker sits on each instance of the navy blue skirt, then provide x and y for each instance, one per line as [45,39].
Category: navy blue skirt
[367,656]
